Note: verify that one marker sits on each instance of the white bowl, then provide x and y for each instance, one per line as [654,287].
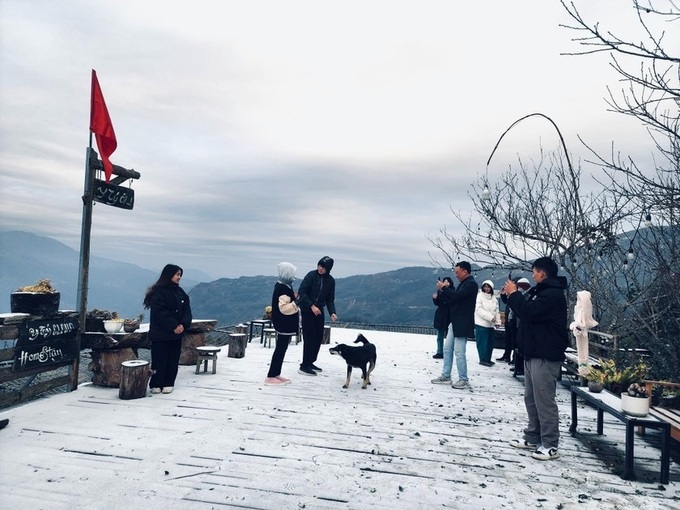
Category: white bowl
[113,326]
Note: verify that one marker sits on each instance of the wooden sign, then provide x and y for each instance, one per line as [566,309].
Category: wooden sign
[46,342]
[110,194]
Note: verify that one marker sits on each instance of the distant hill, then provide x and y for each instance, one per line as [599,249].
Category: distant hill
[400,297]
[114,286]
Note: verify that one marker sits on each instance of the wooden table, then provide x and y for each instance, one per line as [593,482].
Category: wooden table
[607,401]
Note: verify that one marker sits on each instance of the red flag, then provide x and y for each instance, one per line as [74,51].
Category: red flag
[101,126]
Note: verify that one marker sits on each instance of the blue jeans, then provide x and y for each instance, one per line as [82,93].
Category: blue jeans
[455,346]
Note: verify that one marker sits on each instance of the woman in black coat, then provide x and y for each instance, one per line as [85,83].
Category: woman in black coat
[285,319]
[442,318]
[170,317]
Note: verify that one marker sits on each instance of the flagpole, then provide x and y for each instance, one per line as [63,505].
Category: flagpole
[84,264]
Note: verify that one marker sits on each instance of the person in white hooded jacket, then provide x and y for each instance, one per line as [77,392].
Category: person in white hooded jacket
[486,314]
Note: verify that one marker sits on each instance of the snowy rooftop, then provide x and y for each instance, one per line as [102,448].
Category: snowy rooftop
[227,441]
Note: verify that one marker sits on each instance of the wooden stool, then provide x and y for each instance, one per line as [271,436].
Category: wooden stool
[205,354]
[269,335]
[134,378]
[237,345]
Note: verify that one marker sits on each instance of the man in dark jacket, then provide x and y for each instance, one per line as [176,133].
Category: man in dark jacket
[316,291]
[462,312]
[542,339]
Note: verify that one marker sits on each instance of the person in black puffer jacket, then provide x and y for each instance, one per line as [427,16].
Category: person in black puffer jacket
[316,292]
[285,319]
[542,338]
[170,317]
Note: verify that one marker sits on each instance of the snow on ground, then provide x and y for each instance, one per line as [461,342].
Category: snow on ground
[227,441]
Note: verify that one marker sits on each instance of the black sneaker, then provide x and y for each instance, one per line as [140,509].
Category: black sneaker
[438,356]
[486,363]
[315,368]
[306,371]
[507,360]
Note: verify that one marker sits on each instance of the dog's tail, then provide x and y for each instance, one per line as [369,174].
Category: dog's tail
[361,339]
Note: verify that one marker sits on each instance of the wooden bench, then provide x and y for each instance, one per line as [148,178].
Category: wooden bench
[607,401]
[672,416]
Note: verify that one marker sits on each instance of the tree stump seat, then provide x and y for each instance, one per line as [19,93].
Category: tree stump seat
[237,345]
[134,379]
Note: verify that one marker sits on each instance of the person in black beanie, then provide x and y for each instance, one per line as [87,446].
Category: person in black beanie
[170,317]
[316,291]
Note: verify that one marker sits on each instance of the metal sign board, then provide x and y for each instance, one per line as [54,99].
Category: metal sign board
[116,196]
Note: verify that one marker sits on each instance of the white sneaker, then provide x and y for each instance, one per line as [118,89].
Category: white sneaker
[168,389]
[523,445]
[155,391]
[543,453]
[460,385]
[441,380]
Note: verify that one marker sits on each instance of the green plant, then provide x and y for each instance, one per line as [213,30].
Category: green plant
[616,379]
[594,374]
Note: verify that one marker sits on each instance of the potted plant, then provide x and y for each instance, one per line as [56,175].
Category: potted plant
[596,379]
[38,299]
[617,380]
[635,401]
[131,325]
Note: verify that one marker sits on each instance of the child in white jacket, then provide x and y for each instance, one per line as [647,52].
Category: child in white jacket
[486,315]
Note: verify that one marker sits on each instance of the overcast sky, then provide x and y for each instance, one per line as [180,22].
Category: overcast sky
[268,130]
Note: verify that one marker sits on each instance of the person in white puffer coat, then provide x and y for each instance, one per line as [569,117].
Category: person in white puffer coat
[486,315]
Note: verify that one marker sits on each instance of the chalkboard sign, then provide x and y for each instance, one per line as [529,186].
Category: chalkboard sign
[46,342]
[111,194]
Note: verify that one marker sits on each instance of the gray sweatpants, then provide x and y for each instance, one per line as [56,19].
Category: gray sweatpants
[540,381]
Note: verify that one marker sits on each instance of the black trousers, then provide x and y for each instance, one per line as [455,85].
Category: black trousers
[510,335]
[282,342]
[312,336]
[164,361]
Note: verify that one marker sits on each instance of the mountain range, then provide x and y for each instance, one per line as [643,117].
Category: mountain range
[399,297]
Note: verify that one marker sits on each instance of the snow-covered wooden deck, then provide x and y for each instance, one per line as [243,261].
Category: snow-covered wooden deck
[227,441]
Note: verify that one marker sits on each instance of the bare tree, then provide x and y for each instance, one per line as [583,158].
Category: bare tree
[619,241]
[651,95]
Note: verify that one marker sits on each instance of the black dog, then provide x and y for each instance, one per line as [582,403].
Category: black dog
[363,357]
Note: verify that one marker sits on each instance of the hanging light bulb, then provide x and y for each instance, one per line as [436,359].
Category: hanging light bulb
[599,255]
[486,193]
[630,254]
[625,264]
[648,220]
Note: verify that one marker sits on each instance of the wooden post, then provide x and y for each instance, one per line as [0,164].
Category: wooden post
[237,345]
[241,328]
[134,379]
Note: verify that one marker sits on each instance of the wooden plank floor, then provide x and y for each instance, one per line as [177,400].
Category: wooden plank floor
[227,441]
